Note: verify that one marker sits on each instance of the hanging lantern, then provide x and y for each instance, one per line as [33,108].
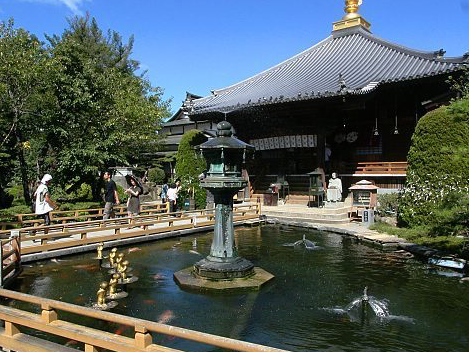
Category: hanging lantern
[375,130]
[396,130]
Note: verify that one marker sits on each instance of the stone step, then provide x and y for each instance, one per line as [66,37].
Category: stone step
[308,220]
[324,216]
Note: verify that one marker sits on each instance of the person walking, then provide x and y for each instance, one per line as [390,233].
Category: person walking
[134,192]
[172,197]
[111,196]
[44,204]
[164,192]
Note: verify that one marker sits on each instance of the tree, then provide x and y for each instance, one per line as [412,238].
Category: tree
[106,114]
[438,163]
[23,71]
[189,165]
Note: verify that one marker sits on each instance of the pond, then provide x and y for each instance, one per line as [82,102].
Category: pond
[303,309]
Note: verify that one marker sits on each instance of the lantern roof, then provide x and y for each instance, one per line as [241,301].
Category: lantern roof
[225,139]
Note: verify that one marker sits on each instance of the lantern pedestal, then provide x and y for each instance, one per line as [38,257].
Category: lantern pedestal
[223,269]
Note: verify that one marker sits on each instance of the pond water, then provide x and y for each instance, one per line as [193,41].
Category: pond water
[303,309]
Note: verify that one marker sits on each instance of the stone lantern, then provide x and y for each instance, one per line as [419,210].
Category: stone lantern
[225,156]
[223,269]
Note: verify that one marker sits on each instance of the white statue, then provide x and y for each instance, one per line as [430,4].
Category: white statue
[334,190]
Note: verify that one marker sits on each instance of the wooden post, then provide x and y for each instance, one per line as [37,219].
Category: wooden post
[11,329]
[1,264]
[143,338]
[90,348]
[16,244]
[48,314]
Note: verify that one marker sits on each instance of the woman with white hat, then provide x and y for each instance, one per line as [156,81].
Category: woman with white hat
[44,204]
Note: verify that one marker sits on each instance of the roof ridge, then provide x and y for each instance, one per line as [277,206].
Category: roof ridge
[429,55]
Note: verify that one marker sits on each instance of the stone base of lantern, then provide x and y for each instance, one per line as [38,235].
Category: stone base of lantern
[188,279]
[223,269]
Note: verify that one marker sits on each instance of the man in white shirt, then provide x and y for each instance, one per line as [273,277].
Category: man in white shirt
[172,197]
[44,204]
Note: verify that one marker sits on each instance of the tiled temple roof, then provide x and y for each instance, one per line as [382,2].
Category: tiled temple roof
[350,61]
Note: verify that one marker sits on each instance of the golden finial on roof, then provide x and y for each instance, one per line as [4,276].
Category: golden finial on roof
[352,17]
[351,8]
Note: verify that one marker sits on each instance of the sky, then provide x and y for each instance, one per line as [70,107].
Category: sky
[201,45]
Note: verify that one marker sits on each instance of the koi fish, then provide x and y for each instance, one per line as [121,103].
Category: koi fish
[121,329]
[149,301]
[134,249]
[158,277]
[71,342]
[194,252]
[166,317]
[85,266]
[79,299]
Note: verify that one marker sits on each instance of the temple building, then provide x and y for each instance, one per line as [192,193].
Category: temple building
[348,104]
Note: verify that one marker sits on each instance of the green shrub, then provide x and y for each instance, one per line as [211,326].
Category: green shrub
[9,214]
[438,164]
[388,204]
[16,191]
[79,205]
[122,195]
[189,165]
[156,175]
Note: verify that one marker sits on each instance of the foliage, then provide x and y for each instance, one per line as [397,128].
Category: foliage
[189,165]
[388,204]
[73,107]
[438,165]
[420,235]
[23,72]
[156,175]
[122,195]
[12,211]
[460,83]
[79,205]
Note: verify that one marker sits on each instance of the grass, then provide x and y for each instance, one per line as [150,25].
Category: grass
[420,235]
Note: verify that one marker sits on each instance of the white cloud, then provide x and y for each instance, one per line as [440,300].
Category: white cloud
[73,5]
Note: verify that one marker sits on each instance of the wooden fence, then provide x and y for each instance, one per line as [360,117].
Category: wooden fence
[65,216]
[61,236]
[91,339]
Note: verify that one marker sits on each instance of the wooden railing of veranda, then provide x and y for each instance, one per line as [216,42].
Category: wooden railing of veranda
[54,237]
[47,322]
[64,216]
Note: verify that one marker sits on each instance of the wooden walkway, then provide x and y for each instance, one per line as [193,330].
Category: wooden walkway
[86,235]
[51,321]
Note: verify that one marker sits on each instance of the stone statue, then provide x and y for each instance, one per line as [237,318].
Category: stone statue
[334,190]
[101,294]
[100,250]
[119,260]
[123,270]
[113,284]
[112,256]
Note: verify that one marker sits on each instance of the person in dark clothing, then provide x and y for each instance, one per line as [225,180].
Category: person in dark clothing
[111,196]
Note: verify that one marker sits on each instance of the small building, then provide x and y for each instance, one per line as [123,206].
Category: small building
[348,104]
[173,130]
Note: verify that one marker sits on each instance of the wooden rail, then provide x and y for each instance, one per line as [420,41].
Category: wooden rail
[65,216]
[48,322]
[61,236]
[10,259]
[384,167]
